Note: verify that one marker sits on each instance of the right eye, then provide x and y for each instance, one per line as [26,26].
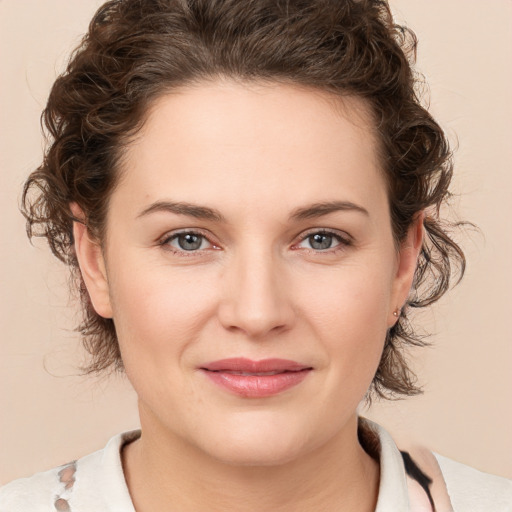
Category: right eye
[187,241]
[322,241]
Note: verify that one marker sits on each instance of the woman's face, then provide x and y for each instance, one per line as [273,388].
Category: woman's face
[250,269]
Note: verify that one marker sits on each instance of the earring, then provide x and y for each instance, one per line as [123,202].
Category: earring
[397,312]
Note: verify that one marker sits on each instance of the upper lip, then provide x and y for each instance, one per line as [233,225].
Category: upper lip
[241,364]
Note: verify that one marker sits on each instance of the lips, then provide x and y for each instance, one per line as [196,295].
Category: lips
[256,379]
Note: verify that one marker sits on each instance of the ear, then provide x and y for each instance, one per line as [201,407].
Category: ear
[407,260]
[92,264]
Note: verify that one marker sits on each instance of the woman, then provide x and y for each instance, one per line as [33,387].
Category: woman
[247,192]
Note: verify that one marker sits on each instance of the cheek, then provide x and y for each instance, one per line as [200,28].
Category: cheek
[159,311]
[353,299]
[350,317]
[159,317]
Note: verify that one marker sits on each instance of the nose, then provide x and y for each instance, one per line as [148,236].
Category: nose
[256,297]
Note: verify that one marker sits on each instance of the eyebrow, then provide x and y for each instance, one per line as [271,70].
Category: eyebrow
[320,209]
[206,213]
[180,208]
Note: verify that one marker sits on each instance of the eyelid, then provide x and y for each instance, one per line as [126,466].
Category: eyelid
[172,235]
[344,238]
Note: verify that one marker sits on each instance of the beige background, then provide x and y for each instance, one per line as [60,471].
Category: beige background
[50,414]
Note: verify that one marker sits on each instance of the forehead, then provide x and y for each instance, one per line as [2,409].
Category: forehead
[290,111]
[219,140]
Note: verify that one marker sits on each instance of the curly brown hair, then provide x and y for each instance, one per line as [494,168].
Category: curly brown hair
[137,50]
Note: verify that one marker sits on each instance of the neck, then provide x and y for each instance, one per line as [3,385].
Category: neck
[168,474]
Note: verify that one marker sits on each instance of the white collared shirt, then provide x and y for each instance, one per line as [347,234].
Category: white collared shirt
[96,483]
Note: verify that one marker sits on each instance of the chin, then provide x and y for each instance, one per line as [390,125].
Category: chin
[257,444]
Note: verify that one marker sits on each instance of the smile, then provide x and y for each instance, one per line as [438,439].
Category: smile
[255,379]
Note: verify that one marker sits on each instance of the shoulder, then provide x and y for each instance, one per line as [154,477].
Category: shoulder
[37,493]
[78,486]
[450,485]
[474,491]
[456,487]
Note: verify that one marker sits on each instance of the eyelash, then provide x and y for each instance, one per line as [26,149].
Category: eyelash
[343,242]
[167,239]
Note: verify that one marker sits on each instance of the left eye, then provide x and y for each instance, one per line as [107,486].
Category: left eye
[188,241]
[321,241]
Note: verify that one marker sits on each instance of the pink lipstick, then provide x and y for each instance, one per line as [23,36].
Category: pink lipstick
[256,379]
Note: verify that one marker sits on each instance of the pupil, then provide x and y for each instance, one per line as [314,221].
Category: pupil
[189,242]
[321,241]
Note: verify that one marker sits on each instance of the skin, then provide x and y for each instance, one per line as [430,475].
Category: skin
[257,288]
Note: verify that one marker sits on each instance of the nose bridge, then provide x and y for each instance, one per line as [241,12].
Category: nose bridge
[256,299]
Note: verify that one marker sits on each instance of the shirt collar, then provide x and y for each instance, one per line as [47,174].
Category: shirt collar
[393,491]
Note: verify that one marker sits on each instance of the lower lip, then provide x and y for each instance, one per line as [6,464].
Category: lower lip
[257,386]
